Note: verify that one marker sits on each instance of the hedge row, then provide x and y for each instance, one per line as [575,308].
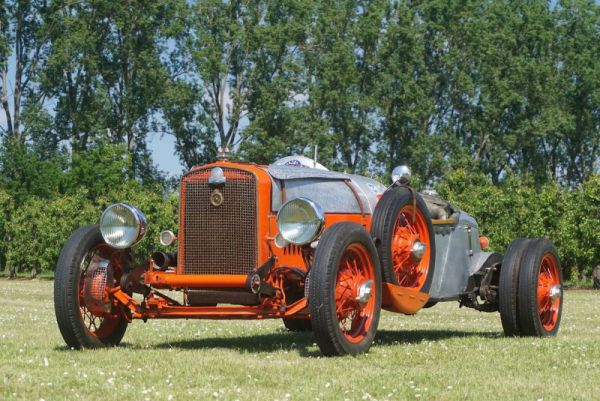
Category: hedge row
[517,208]
[32,235]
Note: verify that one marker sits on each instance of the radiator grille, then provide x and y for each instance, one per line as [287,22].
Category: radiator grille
[219,239]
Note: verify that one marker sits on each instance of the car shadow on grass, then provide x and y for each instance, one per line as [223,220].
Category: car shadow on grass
[304,343]
[392,337]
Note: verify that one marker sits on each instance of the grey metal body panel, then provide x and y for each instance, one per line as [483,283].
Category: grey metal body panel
[293,172]
[369,189]
[454,263]
[456,259]
[334,196]
[326,188]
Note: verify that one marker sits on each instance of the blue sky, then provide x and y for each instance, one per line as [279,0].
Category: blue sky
[163,154]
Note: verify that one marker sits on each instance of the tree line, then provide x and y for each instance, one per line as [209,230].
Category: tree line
[501,89]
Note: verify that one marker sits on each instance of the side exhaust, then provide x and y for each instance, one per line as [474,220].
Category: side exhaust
[165,260]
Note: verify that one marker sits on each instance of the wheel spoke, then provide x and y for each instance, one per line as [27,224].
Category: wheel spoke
[409,272]
[354,270]
[548,279]
[97,326]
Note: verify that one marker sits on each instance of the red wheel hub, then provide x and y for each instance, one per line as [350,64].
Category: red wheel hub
[411,235]
[549,292]
[355,293]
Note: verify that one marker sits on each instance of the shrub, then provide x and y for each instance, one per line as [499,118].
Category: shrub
[577,236]
[39,228]
[34,233]
[517,208]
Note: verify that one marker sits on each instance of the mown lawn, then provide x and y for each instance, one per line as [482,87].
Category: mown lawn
[444,353]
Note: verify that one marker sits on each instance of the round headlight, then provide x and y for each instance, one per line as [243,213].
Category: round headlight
[300,221]
[122,225]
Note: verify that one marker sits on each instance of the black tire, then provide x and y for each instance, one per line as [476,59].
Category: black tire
[508,287]
[540,255]
[66,294]
[430,304]
[335,245]
[297,325]
[382,229]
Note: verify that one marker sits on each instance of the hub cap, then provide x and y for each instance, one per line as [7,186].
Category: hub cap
[364,292]
[418,250]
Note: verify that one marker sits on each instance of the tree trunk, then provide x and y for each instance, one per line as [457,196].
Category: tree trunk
[596,278]
[12,272]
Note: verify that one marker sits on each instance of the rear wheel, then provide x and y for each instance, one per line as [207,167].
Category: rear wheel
[405,239]
[508,286]
[86,269]
[345,291]
[540,290]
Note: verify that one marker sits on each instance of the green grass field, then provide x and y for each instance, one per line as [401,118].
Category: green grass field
[444,353]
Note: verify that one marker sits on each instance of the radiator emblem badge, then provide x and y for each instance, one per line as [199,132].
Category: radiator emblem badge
[216,198]
[216,176]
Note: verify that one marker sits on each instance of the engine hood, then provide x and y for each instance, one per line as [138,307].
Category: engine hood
[333,191]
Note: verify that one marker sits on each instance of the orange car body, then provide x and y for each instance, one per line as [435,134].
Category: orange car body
[243,255]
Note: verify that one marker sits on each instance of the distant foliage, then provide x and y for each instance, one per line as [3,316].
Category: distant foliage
[39,228]
[507,91]
[6,209]
[42,203]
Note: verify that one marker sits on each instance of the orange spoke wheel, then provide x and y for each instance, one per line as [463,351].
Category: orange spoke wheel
[548,292]
[411,248]
[345,290]
[99,316]
[405,240]
[354,299]
[87,268]
[540,294]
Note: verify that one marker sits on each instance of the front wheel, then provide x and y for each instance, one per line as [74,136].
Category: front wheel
[86,269]
[405,239]
[345,291]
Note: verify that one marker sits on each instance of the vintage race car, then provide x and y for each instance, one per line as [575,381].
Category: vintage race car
[321,250]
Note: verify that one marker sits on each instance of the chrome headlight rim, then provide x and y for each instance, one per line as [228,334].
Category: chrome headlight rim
[319,218]
[140,222]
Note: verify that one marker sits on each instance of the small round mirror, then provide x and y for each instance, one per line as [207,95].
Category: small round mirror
[431,192]
[401,175]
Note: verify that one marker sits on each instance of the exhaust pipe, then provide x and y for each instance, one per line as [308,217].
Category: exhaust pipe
[214,297]
[165,260]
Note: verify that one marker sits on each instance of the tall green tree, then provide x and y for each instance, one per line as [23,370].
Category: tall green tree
[22,41]
[406,89]
[279,122]
[578,25]
[244,72]
[106,73]
[342,63]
